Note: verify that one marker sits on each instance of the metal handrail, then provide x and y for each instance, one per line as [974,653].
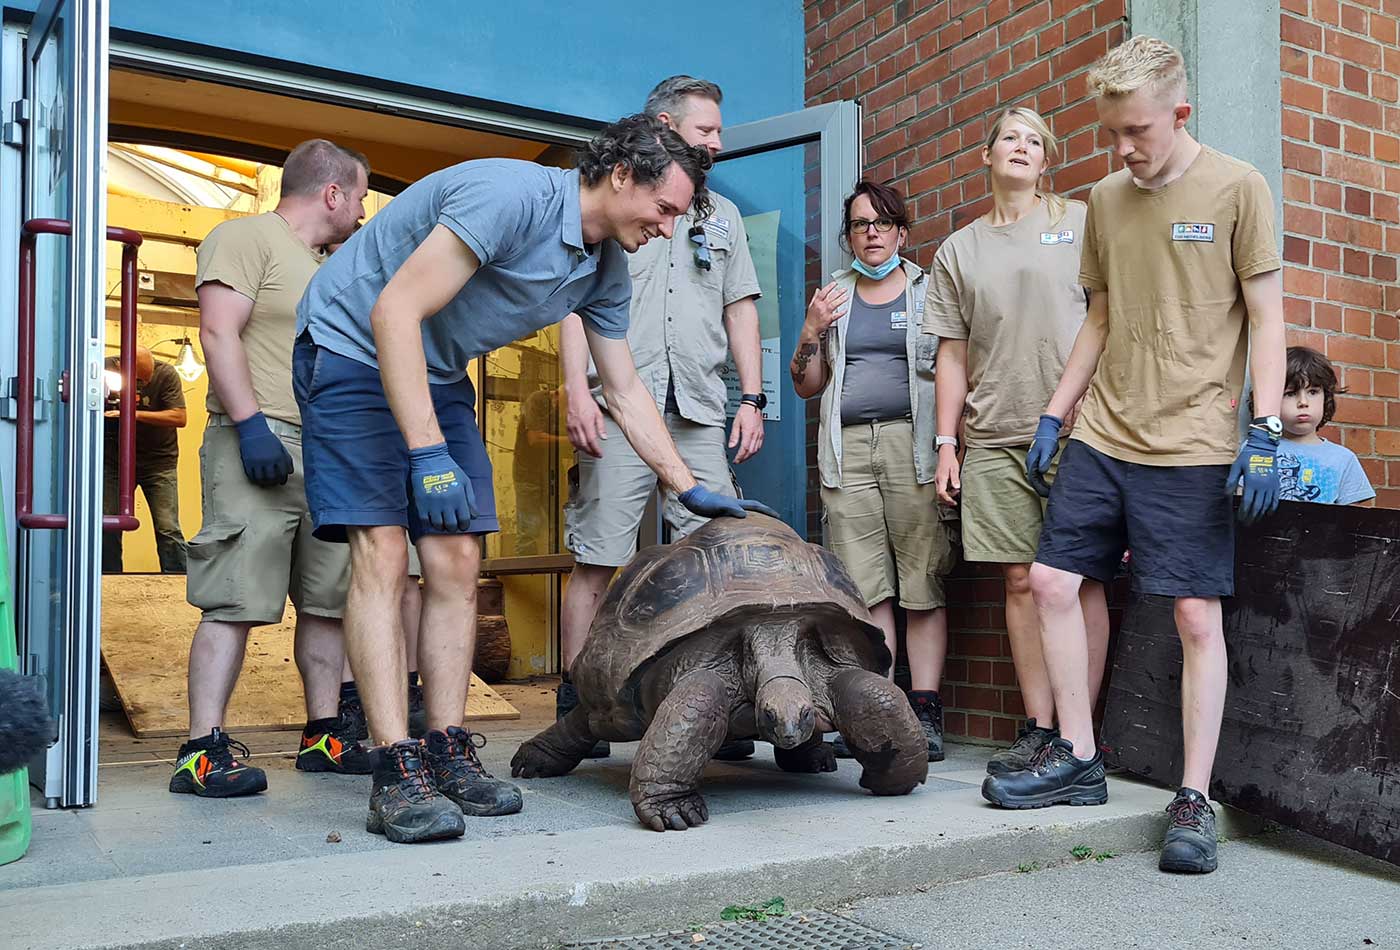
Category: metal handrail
[125,518]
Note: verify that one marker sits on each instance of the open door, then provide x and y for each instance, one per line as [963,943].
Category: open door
[788,175]
[58,121]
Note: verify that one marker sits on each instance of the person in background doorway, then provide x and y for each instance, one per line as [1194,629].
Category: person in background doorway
[1179,255]
[863,348]
[1005,302]
[256,546]
[1310,467]
[160,411]
[464,261]
[693,299]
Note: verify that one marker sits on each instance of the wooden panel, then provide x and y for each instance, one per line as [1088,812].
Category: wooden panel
[146,631]
[1311,734]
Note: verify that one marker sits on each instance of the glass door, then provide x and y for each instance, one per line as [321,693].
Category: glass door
[62,119]
[788,175]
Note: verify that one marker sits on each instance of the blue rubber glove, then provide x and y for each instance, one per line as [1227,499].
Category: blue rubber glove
[442,492]
[266,460]
[711,504]
[1256,465]
[1043,448]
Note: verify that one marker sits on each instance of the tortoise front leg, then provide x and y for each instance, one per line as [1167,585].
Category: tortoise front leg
[689,727]
[556,750]
[881,731]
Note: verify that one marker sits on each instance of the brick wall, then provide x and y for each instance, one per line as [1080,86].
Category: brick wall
[1341,216]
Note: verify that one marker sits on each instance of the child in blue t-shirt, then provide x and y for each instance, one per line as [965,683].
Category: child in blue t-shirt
[1310,467]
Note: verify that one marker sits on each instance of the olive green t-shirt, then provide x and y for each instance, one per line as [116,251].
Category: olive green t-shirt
[1171,259]
[1012,292]
[260,258]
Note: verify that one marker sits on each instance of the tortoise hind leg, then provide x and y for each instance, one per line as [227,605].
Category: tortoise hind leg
[688,728]
[556,750]
[881,731]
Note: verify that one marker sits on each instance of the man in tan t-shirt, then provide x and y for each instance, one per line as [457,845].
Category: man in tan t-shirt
[256,547]
[1180,254]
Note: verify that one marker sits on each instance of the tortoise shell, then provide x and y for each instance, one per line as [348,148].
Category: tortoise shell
[729,571]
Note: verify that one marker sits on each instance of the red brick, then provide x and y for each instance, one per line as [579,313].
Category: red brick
[1302,158]
[1301,32]
[1383,268]
[1358,141]
[1356,263]
[1355,19]
[1385,148]
[1387,386]
[1324,132]
[1011,702]
[1327,194]
[1326,71]
[1326,11]
[1106,11]
[1366,412]
[1362,112]
[1297,125]
[1358,201]
[1302,95]
[1326,256]
[1384,29]
[1305,283]
[1361,293]
[1295,250]
[1387,326]
[1345,349]
[1298,220]
[1359,51]
[955,723]
[1290,58]
[1358,171]
[1037,74]
[1299,7]
[1356,79]
[1357,323]
[1385,87]
[1023,23]
[979,727]
[1004,730]
[1297,311]
[1327,316]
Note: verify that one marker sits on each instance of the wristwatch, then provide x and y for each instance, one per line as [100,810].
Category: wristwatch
[758,400]
[1271,425]
[941,440]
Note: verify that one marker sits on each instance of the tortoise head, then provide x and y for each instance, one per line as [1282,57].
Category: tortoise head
[784,712]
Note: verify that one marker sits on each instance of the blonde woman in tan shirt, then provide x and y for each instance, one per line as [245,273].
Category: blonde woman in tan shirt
[1005,300]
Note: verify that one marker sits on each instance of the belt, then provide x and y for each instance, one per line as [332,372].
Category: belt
[290,429]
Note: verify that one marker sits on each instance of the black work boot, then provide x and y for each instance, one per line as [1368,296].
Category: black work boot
[838,746]
[417,711]
[565,701]
[1054,777]
[1189,847]
[326,746]
[1030,740]
[459,775]
[352,713]
[928,709]
[404,806]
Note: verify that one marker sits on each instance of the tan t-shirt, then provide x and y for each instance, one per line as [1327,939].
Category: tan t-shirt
[1171,259]
[262,259]
[1012,292]
[677,333]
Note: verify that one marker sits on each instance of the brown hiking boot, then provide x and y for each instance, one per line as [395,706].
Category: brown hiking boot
[404,806]
[458,774]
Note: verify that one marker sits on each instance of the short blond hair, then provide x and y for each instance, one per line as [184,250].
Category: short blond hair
[1143,62]
[1036,123]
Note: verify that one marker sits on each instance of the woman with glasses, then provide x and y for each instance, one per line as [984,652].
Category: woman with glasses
[861,347]
[1004,297]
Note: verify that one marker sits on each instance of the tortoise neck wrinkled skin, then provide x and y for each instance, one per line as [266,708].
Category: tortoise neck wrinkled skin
[775,676]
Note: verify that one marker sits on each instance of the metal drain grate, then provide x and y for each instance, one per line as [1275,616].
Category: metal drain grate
[814,930]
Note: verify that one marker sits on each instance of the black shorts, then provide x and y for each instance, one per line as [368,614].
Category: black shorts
[1177,521]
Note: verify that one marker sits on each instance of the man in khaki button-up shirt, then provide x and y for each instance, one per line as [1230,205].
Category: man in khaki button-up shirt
[685,319]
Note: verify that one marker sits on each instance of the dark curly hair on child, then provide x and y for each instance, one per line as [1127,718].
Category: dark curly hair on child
[1307,368]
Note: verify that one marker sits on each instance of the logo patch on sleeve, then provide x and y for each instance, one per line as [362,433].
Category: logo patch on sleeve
[1186,231]
[1057,237]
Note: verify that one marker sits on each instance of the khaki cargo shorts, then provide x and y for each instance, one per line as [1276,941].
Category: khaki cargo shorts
[608,495]
[1001,512]
[890,531]
[255,547]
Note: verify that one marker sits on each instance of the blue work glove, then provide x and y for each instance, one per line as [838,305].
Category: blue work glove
[1256,465]
[266,460]
[441,490]
[1043,448]
[711,504]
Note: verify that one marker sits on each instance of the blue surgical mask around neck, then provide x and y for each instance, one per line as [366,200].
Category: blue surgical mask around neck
[876,273]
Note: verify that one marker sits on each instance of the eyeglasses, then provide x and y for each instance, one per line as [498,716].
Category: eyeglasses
[702,250]
[882,225]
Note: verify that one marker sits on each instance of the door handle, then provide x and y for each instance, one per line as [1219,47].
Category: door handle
[25,517]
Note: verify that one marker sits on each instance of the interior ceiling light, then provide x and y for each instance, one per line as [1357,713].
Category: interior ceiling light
[188,364]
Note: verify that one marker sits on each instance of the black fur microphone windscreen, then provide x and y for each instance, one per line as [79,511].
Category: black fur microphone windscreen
[24,721]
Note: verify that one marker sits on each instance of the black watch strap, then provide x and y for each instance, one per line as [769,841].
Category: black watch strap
[758,400]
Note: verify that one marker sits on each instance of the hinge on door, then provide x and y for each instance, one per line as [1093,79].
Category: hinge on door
[12,132]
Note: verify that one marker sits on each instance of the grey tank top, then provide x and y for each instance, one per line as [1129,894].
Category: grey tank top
[876,386]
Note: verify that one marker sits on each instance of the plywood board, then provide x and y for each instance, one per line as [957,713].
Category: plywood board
[1311,732]
[146,630]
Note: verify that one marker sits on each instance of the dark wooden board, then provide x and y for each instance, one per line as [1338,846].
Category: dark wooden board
[1311,734]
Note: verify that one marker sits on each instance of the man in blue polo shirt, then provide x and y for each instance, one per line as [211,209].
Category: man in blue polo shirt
[469,259]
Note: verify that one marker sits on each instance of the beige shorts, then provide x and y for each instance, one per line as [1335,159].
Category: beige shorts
[1001,512]
[608,495]
[890,531]
[255,547]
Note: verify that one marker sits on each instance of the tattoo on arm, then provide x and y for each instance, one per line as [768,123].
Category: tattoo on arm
[800,359]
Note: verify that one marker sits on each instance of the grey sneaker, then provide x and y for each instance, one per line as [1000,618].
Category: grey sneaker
[1189,847]
[1030,740]
[928,709]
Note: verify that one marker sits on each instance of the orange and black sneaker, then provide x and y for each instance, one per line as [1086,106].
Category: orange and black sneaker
[206,767]
[326,746]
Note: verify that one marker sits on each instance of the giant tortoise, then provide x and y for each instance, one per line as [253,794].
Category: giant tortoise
[740,630]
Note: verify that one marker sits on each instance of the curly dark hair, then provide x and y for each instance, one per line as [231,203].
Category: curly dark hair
[647,147]
[1306,368]
[887,202]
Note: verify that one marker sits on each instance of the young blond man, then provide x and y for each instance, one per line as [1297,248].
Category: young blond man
[1180,254]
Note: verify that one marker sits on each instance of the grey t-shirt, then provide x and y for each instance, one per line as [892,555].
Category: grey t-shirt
[1326,473]
[522,222]
[877,363]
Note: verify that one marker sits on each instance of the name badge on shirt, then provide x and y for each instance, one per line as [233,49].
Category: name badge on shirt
[719,226]
[1185,231]
[1057,237]
[899,319]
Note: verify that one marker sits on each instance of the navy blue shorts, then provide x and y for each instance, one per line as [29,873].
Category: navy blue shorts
[1177,521]
[355,456]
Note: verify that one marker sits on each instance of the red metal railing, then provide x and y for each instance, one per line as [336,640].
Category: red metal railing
[124,519]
